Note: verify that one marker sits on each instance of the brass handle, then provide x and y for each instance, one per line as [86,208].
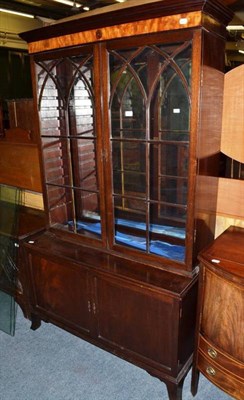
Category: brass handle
[210,371]
[212,353]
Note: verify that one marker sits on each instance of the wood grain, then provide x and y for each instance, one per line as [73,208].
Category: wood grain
[230,197]
[159,24]
[219,349]
[19,165]
[232,138]
[222,379]
[223,314]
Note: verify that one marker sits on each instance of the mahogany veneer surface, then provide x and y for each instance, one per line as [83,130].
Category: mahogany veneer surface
[219,352]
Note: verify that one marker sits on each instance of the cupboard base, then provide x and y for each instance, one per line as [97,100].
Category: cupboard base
[139,313]
[174,385]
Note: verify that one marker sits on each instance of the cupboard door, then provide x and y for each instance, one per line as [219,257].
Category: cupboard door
[137,320]
[222,314]
[61,292]
[150,92]
[69,141]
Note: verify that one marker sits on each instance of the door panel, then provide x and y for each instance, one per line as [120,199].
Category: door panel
[222,314]
[61,291]
[136,319]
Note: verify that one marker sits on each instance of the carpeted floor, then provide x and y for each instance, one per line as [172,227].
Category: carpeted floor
[50,364]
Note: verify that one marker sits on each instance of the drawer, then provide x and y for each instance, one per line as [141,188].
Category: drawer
[212,353]
[221,378]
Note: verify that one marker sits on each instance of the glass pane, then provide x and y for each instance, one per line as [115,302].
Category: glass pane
[55,153]
[128,99]
[173,190]
[66,98]
[8,311]
[150,113]
[130,226]
[167,241]
[10,200]
[183,60]
[174,136]
[167,250]
[129,160]
[88,220]
[51,103]
[167,231]
[81,98]
[66,102]
[74,210]
[171,161]
[84,164]
[133,206]
[174,104]
[132,230]
[172,214]
[58,153]
[60,204]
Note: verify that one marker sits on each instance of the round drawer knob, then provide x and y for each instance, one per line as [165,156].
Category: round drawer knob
[212,353]
[210,371]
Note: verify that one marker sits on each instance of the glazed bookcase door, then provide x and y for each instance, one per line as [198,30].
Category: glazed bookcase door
[150,98]
[67,115]
[149,107]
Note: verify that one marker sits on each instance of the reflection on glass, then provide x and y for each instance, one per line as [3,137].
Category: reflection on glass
[10,202]
[150,114]
[8,312]
[128,167]
[66,106]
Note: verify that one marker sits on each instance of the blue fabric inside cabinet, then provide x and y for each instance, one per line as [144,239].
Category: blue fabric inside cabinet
[159,247]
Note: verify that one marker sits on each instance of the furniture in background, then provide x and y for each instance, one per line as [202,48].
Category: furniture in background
[16,221]
[21,121]
[232,136]
[19,174]
[19,161]
[8,255]
[15,81]
[219,351]
[129,108]
[230,204]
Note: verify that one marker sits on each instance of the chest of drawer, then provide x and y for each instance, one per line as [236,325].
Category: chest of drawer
[220,358]
[221,377]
